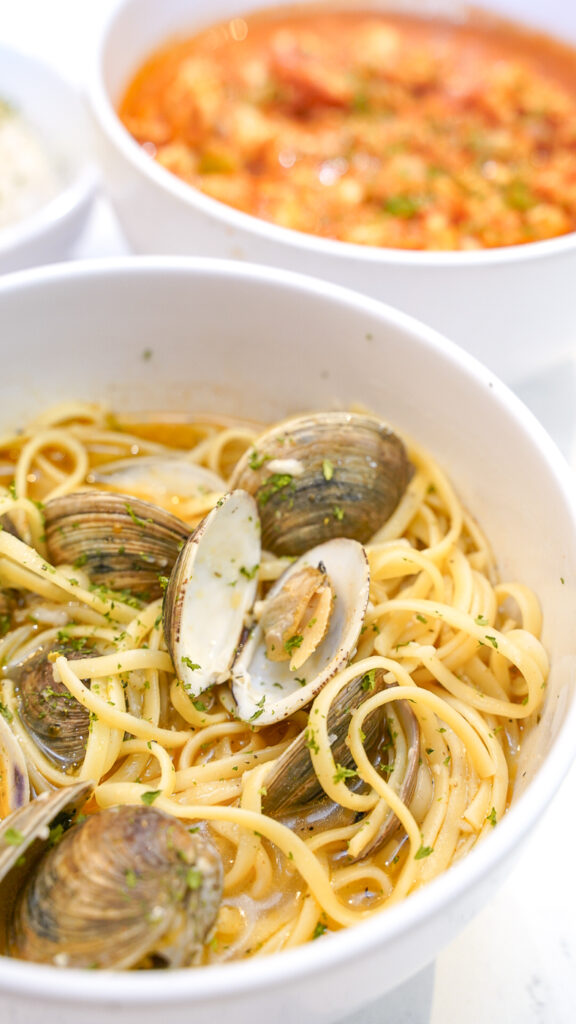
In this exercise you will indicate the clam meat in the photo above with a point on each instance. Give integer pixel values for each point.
(277, 652)
(307, 628)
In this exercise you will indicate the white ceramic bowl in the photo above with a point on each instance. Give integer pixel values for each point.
(264, 343)
(57, 115)
(513, 307)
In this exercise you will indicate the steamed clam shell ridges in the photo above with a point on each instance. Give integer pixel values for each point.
(25, 835)
(122, 543)
(293, 793)
(321, 476)
(55, 720)
(129, 886)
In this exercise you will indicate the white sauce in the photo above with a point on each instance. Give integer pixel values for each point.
(28, 177)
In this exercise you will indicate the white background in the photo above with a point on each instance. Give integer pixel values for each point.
(516, 963)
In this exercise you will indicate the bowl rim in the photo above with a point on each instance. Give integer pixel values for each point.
(134, 989)
(231, 218)
(77, 189)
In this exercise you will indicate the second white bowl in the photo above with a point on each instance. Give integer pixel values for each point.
(55, 112)
(513, 308)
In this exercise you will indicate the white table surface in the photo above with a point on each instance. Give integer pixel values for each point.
(516, 962)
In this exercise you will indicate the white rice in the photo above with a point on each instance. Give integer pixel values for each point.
(28, 176)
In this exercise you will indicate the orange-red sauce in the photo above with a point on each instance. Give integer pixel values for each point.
(374, 128)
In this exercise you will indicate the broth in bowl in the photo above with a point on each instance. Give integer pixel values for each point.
(274, 667)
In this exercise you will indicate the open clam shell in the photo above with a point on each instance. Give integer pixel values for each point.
(211, 591)
(267, 691)
(158, 478)
(321, 476)
(122, 542)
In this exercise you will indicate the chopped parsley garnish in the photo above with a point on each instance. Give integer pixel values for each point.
(424, 851)
(136, 518)
(131, 877)
(311, 741)
(368, 680)
(150, 796)
(13, 837)
(293, 643)
(492, 817)
(342, 773)
(256, 461)
(249, 573)
(192, 665)
(193, 878)
(260, 707)
(275, 483)
(518, 196)
(405, 207)
(5, 712)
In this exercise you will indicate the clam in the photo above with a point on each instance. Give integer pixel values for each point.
(293, 793)
(322, 476)
(307, 628)
(129, 886)
(158, 478)
(125, 887)
(55, 720)
(211, 590)
(7, 523)
(280, 651)
(24, 836)
(123, 543)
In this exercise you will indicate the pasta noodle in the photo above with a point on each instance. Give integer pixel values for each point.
(461, 648)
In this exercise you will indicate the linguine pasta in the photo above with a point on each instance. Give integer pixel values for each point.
(461, 647)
